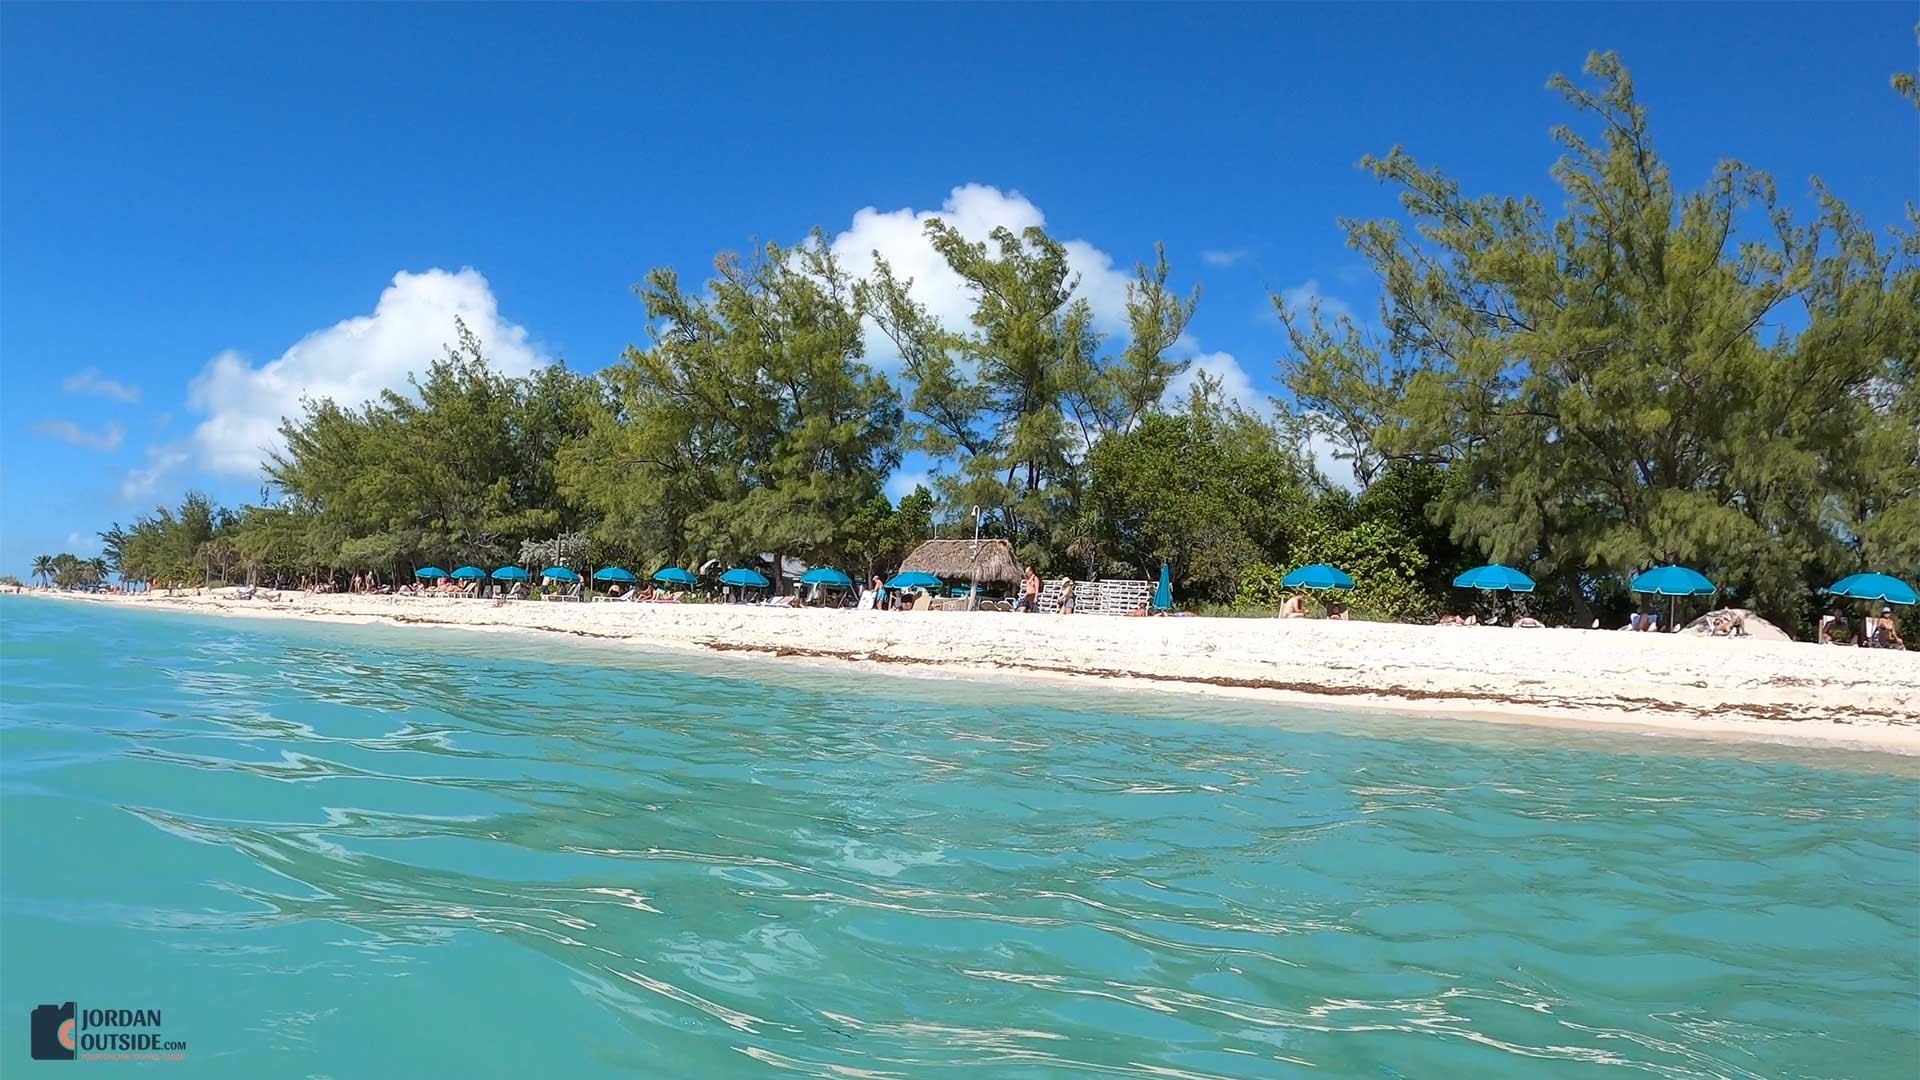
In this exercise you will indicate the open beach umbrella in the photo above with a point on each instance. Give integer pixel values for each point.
(1163, 596)
(826, 575)
(430, 572)
(469, 573)
(745, 578)
(913, 579)
(674, 575)
(1317, 576)
(1672, 582)
(1881, 587)
(1494, 578)
(559, 573)
(613, 573)
(510, 573)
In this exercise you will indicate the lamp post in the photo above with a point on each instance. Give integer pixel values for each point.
(973, 585)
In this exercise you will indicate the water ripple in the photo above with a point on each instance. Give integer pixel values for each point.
(450, 853)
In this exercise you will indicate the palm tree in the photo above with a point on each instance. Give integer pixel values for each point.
(98, 565)
(43, 569)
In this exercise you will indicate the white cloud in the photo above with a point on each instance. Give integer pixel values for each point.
(90, 382)
(902, 483)
(350, 362)
(1236, 386)
(1224, 257)
(1338, 471)
(975, 210)
(1301, 296)
(85, 545)
(162, 461)
(108, 437)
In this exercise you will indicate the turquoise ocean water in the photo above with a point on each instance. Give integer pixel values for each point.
(360, 852)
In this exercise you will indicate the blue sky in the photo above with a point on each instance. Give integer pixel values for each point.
(205, 210)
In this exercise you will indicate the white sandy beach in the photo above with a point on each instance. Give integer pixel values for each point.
(1680, 684)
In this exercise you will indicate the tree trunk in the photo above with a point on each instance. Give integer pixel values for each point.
(1582, 611)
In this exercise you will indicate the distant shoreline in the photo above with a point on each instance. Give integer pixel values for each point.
(1686, 685)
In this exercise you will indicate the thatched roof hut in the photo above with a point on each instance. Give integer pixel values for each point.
(957, 561)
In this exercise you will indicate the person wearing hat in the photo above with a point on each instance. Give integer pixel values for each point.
(1887, 632)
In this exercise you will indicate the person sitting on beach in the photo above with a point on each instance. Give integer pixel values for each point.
(614, 591)
(1341, 614)
(1295, 607)
(1529, 622)
(1066, 597)
(1831, 624)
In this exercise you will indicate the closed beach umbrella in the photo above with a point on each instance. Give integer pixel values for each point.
(469, 573)
(613, 573)
(430, 572)
(510, 573)
(1163, 596)
(559, 573)
(1317, 576)
(1881, 587)
(674, 575)
(1672, 582)
(826, 575)
(1494, 578)
(744, 578)
(913, 579)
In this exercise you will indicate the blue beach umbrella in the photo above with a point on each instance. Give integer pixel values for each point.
(1494, 578)
(1163, 596)
(1881, 587)
(674, 575)
(1672, 581)
(1317, 576)
(913, 579)
(469, 573)
(430, 572)
(559, 573)
(510, 573)
(613, 573)
(744, 578)
(825, 575)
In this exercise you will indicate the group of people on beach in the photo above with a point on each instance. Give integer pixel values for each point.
(1875, 633)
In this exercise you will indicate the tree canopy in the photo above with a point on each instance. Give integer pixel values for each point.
(1637, 372)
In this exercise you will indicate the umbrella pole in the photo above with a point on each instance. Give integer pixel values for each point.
(1673, 603)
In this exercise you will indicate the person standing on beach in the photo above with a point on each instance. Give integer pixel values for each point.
(1029, 593)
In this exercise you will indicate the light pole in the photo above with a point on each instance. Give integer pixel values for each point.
(973, 586)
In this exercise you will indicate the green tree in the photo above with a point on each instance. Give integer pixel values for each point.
(1613, 388)
(43, 568)
(750, 425)
(1210, 491)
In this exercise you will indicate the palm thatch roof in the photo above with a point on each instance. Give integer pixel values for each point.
(956, 560)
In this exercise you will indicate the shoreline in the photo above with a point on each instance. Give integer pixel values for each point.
(1680, 685)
